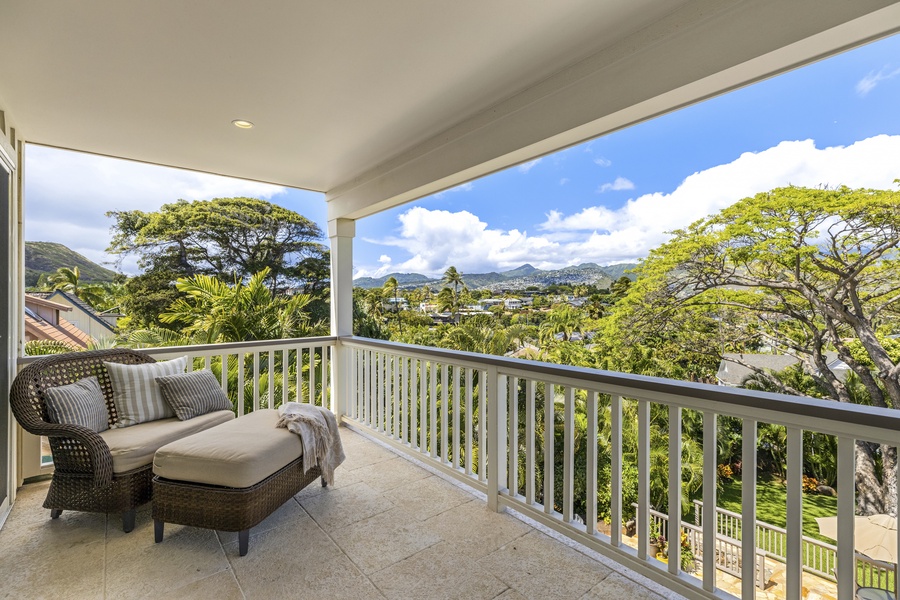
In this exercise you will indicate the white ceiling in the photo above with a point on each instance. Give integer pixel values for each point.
(334, 87)
(379, 101)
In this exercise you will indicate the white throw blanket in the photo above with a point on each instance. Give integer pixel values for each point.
(318, 430)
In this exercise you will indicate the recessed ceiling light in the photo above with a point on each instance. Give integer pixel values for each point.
(242, 124)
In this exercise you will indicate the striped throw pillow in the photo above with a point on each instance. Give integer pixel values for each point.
(80, 403)
(193, 394)
(135, 392)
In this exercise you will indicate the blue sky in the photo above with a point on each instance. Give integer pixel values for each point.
(609, 200)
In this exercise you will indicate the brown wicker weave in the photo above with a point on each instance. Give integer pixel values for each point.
(83, 478)
(224, 508)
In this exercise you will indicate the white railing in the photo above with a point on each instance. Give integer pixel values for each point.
(508, 427)
(819, 558)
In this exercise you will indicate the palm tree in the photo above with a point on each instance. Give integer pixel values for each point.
(454, 278)
(564, 319)
(391, 287)
(69, 280)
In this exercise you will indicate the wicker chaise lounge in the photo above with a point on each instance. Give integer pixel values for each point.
(90, 476)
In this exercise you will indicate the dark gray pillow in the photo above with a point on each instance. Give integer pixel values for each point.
(80, 403)
(193, 394)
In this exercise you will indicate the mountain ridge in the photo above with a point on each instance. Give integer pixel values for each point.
(519, 278)
(47, 257)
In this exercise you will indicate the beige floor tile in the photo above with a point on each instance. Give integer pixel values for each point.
(511, 594)
(438, 571)
(52, 570)
(340, 507)
(616, 586)
(185, 555)
(476, 528)
(383, 540)
(538, 566)
(284, 516)
(363, 455)
(428, 497)
(221, 586)
(390, 474)
(342, 478)
(301, 562)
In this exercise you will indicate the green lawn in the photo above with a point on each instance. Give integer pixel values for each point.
(771, 503)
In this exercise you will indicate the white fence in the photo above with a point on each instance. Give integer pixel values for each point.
(508, 427)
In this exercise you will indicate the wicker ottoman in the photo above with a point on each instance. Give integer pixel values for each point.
(229, 477)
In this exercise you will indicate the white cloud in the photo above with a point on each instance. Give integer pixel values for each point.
(641, 223)
(68, 193)
(564, 181)
(870, 81)
(436, 239)
(618, 185)
(603, 162)
(525, 167)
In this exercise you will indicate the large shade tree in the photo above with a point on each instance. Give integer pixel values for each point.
(226, 238)
(802, 270)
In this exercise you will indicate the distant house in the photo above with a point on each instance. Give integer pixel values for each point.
(512, 303)
(396, 304)
(98, 325)
(732, 373)
(43, 322)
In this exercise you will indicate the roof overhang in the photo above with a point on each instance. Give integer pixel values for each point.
(379, 103)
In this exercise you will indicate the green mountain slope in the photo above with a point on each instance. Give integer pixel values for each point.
(47, 257)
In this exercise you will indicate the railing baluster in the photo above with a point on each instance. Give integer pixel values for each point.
(298, 362)
(469, 434)
(674, 533)
(482, 424)
(568, 452)
(846, 563)
(457, 461)
(710, 476)
(256, 381)
(223, 375)
(385, 393)
(270, 370)
(643, 511)
(395, 397)
(615, 452)
(312, 375)
(414, 399)
(432, 409)
(326, 381)
(529, 441)
(241, 359)
(285, 376)
(512, 468)
(794, 526)
(590, 488)
(404, 409)
(423, 406)
(748, 509)
(548, 448)
(207, 362)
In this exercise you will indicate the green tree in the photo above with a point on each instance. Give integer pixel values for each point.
(69, 280)
(391, 289)
(224, 237)
(212, 312)
(564, 319)
(452, 277)
(804, 269)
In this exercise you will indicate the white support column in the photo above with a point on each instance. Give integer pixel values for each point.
(340, 234)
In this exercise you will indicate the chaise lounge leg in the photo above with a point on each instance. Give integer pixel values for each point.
(55, 512)
(324, 483)
(128, 520)
(243, 541)
(158, 530)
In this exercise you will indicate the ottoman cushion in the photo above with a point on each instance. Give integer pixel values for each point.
(133, 447)
(236, 454)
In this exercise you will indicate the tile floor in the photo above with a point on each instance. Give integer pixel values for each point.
(388, 528)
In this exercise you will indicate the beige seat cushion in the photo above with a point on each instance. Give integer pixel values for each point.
(238, 454)
(134, 446)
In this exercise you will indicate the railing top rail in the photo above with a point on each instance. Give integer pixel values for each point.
(231, 347)
(801, 406)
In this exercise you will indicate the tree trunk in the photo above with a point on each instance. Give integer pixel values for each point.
(869, 496)
(889, 479)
